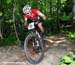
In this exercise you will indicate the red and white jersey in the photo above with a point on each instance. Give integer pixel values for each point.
(33, 16)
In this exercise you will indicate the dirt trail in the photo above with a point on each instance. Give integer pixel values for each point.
(56, 47)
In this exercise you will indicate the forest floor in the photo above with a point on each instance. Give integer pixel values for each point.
(56, 47)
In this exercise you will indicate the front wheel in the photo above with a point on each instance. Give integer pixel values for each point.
(33, 48)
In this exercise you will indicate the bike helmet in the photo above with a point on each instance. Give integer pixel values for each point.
(26, 9)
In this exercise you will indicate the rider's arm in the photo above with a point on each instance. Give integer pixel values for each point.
(42, 15)
(25, 23)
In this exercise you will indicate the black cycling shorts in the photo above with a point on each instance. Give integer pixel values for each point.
(37, 22)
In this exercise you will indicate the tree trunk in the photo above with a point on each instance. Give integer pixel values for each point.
(0, 31)
(51, 14)
(73, 11)
(58, 14)
(51, 11)
(14, 11)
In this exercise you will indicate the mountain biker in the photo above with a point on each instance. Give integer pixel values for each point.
(33, 14)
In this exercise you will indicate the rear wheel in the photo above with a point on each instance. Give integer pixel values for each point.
(33, 48)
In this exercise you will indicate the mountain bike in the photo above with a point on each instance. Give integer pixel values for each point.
(33, 44)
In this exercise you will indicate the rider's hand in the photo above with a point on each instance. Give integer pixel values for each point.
(44, 17)
(25, 24)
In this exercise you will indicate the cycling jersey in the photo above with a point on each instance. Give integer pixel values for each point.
(33, 16)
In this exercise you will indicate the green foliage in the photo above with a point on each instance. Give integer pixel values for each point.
(73, 63)
(1, 13)
(68, 59)
(50, 25)
(11, 40)
(62, 1)
(66, 17)
(66, 8)
(62, 63)
(71, 35)
(8, 1)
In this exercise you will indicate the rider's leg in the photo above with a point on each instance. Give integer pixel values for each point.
(42, 32)
(41, 27)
